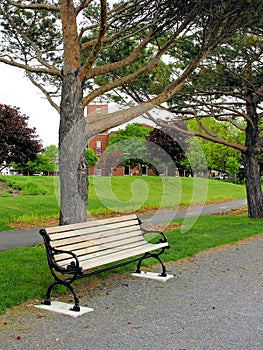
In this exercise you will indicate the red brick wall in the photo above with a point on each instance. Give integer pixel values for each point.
(97, 108)
(103, 139)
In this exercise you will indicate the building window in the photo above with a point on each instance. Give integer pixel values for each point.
(98, 148)
(126, 170)
(98, 171)
(98, 110)
(144, 170)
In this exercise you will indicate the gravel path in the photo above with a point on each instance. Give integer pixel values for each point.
(214, 302)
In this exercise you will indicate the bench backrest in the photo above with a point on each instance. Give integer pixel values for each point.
(98, 242)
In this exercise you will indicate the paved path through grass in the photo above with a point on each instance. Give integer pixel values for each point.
(29, 237)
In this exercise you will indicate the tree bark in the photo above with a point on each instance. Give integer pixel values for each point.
(72, 144)
(251, 164)
(253, 186)
(72, 138)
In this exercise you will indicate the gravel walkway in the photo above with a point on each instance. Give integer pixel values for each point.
(214, 302)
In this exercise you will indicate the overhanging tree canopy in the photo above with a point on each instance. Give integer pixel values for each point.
(227, 87)
(60, 43)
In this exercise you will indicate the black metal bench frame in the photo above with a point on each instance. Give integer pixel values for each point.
(75, 271)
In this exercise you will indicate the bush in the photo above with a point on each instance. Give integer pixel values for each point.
(32, 188)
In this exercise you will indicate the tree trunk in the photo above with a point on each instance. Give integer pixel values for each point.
(253, 186)
(251, 164)
(72, 144)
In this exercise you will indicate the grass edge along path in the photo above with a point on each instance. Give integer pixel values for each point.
(108, 195)
(24, 274)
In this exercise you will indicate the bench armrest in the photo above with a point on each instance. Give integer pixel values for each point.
(162, 239)
(72, 268)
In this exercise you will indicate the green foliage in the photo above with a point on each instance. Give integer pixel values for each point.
(19, 143)
(91, 158)
(218, 156)
(131, 131)
(226, 70)
(51, 152)
(46, 162)
(152, 81)
(31, 188)
(232, 166)
(42, 29)
(30, 184)
(131, 143)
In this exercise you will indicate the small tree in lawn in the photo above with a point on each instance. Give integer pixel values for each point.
(45, 162)
(91, 158)
(110, 159)
(131, 142)
(169, 145)
(19, 142)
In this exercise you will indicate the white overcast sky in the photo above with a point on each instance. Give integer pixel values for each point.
(18, 91)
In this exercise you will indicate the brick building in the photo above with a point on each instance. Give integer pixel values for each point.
(99, 144)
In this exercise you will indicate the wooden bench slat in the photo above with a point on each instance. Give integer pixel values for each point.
(118, 227)
(90, 251)
(56, 229)
(137, 246)
(91, 247)
(95, 240)
(121, 255)
(84, 257)
(113, 256)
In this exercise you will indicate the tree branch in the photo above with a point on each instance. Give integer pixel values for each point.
(83, 5)
(35, 48)
(201, 135)
(104, 69)
(44, 91)
(100, 123)
(35, 6)
(135, 54)
(26, 67)
(99, 42)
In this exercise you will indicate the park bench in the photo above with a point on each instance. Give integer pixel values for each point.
(84, 249)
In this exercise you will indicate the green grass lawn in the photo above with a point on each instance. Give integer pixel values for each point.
(38, 195)
(24, 273)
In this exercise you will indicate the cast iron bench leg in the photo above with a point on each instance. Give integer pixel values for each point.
(149, 255)
(47, 301)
